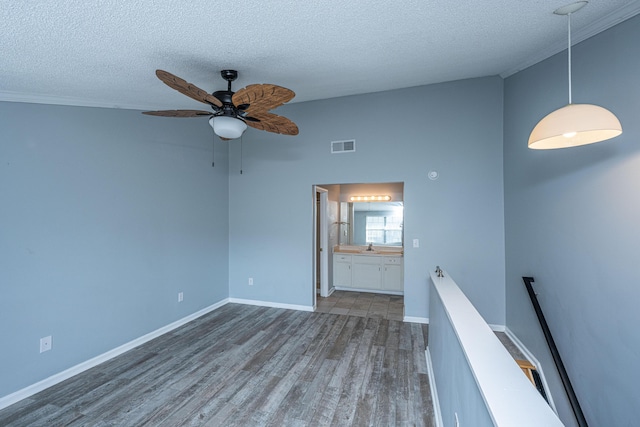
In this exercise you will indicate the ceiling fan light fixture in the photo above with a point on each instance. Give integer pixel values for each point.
(227, 127)
(574, 125)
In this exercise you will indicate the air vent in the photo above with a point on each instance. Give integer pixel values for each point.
(348, 146)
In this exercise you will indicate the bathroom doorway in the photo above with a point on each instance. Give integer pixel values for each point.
(352, 225)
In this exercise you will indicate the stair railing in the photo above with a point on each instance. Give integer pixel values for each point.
(566, 382)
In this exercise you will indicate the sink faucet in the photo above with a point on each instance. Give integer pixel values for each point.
(370, 248)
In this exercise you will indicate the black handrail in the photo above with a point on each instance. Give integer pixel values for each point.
(573, 399)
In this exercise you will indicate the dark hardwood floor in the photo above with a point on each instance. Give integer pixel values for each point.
(251, 366)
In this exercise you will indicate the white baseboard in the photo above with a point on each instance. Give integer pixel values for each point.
(437, 413)
(412, 319)
(271, 304)
(497, 328)
(371, 291)
(81, 367)
(531, 358)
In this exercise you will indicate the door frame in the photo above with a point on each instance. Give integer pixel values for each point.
(320, 242)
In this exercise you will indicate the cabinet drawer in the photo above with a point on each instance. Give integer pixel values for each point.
(366, 259)
(396, 260)
(342, 258)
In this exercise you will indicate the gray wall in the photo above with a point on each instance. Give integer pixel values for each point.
(105, 215)
(455, 128)
(573, 222)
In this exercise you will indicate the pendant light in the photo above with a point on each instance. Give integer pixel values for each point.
(574, 124)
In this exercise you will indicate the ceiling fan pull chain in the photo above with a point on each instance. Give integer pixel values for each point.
(240, 155)
(213, 152)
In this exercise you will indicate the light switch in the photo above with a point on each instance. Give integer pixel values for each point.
(416, 243)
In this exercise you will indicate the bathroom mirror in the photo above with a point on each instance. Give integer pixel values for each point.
(380, 223)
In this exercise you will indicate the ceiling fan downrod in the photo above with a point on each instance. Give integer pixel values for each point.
(229, 76)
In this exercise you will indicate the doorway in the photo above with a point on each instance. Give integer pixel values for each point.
(358, 217)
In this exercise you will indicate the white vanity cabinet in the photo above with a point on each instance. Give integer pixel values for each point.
(393, 274)
(375, 273)
(341, 270)
(366, 272)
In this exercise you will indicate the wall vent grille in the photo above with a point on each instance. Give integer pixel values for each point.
(348, 146)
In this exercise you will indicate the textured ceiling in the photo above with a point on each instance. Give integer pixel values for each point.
(105, 52)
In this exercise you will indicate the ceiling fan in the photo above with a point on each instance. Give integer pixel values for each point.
(233, 111)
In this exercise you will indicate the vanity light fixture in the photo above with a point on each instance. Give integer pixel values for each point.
(370, 198)
(574, 124)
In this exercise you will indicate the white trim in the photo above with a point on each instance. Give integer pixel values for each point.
(412, 319)
(371, 291)
(437, 413)
(271, 304)
(66, 100)
(531, 358)
(524, 350)
(497, 328)
(323, 218)
(88, 364)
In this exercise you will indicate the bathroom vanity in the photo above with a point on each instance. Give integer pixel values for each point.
(379, 270)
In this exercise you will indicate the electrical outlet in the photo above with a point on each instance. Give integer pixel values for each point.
(45, 344)
(250, 281)
(180, 296)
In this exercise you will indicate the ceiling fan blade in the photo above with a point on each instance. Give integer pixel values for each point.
(262, 97)
(186, 88)
(178, 113)
(273, 123)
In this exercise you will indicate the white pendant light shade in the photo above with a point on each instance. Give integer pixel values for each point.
(573, 125)
(227, 127)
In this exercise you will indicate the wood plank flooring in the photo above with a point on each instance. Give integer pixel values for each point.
(251, 366)
(363, 304)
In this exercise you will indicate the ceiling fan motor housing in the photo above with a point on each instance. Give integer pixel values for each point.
(226, 96)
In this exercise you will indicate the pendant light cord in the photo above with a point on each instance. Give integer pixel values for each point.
(569, 54)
